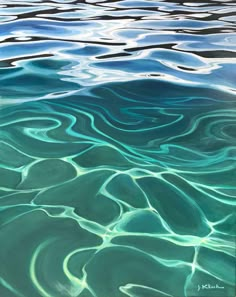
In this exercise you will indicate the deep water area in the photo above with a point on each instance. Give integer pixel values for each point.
(117, 148)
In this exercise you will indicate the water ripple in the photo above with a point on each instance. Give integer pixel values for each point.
(118, 149)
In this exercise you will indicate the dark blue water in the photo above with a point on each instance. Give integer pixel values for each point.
(117, 148)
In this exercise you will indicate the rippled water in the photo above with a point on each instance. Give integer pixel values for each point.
(118, 148)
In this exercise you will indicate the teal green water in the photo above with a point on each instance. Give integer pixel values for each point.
(117, 149)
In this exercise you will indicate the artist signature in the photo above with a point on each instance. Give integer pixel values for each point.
(209, 287)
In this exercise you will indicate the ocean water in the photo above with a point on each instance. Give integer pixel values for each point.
(117, 148)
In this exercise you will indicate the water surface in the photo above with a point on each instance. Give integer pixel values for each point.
(118, 148)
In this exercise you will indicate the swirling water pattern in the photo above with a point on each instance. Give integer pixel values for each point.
(118, 148)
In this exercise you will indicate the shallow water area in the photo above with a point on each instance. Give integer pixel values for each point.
(117, 148)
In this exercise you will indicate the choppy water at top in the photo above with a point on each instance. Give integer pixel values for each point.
(118, 148)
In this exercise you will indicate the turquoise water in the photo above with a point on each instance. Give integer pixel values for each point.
(118, 148)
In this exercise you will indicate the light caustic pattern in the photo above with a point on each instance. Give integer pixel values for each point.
(118, 149)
